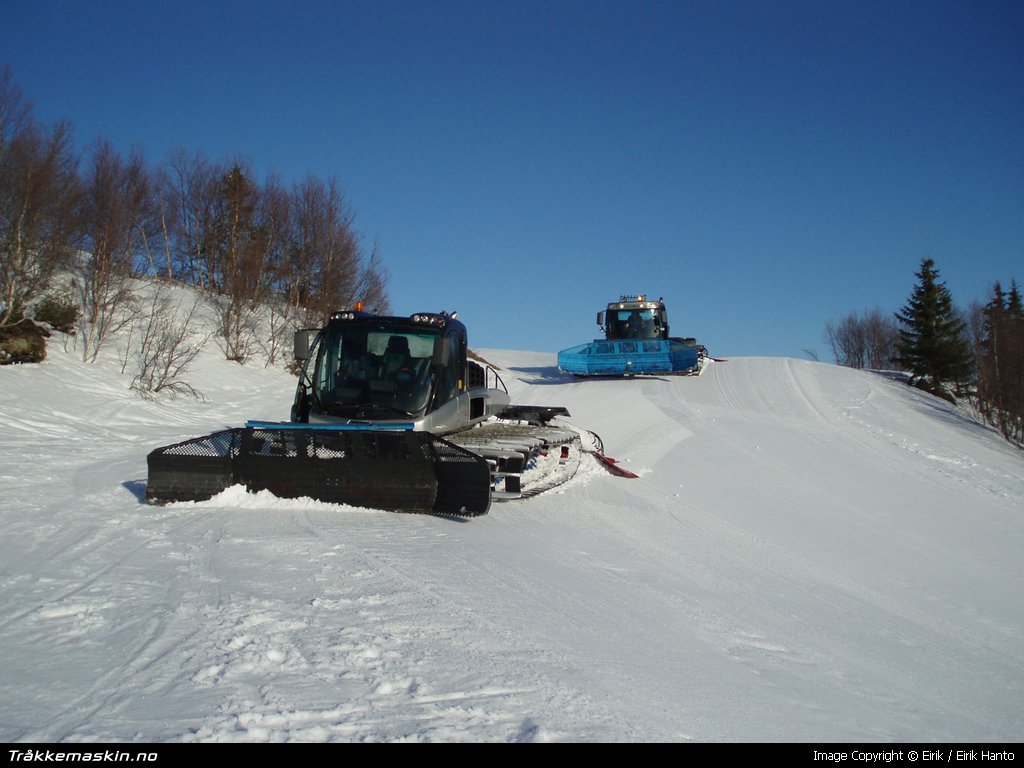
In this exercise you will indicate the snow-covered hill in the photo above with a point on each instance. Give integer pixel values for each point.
(811, 553)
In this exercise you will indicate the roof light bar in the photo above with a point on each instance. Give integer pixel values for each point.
(427, 318)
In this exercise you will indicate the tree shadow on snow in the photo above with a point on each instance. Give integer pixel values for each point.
(952, 414)
(891, 375)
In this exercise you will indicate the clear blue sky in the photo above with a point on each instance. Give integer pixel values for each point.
(765, 166)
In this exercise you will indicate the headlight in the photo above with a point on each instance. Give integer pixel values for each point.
(428, 319)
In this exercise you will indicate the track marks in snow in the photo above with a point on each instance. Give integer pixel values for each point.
(807, 534)
(73, 619)
(341, 636)
(767, 578)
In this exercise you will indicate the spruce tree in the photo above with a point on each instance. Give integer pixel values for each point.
(993, 323)
(933, 345)
(1014, 306)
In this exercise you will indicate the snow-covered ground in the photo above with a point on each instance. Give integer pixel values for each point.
(811, 553)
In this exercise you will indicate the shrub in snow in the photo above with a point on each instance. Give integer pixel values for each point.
(61, 314)
(22, 343)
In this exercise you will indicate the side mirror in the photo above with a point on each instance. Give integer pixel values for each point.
(301, 345)
(600, 319)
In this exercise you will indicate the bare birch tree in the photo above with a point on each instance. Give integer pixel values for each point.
(38, 192)
(189, 202)
(863, 341)
(169, 340)
(116, 212)
(328, 268)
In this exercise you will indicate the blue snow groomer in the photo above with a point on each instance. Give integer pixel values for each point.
(636, 342)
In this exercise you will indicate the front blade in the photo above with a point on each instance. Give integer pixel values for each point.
(401, 471)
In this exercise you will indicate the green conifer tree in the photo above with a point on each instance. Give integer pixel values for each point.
(933, 345)
(994, 318)
(1001, 363)
(1014, 306)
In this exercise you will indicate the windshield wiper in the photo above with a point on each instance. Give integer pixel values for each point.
(363, 411)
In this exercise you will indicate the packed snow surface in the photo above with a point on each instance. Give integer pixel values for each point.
(810, 553)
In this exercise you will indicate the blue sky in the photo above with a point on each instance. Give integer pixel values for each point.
(764, 166)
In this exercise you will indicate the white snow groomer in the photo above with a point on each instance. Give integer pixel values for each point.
(636, 342)
(389, 413)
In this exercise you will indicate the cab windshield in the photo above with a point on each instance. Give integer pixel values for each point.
(632, 324)
(374, 372)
